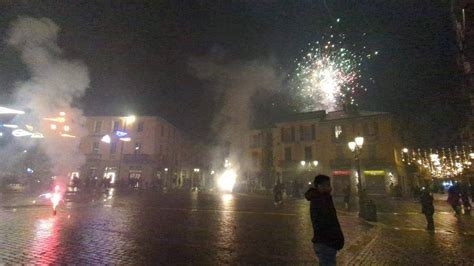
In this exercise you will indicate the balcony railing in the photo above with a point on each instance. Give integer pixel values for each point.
(93, 157)
(137, 158)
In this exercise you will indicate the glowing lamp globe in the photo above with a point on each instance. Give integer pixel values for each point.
(130, 119)
(359, 141)
(352, 145)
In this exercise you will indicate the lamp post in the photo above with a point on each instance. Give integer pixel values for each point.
(356, 148)
(309, 164)
(196, 173)
(129, 119)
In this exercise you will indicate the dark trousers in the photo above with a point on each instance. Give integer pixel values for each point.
(326, 254)
(430, 221)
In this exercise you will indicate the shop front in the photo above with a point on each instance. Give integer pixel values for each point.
(340, 180)
(375, 181)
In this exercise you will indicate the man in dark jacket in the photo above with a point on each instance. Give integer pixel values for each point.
(328, 237)
(427, 208)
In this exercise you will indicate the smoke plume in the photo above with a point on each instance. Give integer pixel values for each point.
(235, 84)
(54, 84)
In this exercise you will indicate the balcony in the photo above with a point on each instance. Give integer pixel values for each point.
(93, 157)
(138, 159)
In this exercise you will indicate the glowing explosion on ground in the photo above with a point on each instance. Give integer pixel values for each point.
(328, 75)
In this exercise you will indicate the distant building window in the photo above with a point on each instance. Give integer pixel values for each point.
(287, 134)
(308, 153)
(160, 150)
(138, 147)
(372, 150)
(116, 125)
(365, 129)
(113, 147)
(255, 159)
(95, 147)
(307, 132)
(340, 152)
(140, 127)
(256, 141)
(337, 131)
(313, 132)
(376, 128)
(98, 127)
(288, 154)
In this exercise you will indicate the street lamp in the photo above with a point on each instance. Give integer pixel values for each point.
(313, 163)
(356, 147)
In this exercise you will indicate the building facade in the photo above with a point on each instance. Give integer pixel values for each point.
(133, 151)
(306, 144)
(463, 18)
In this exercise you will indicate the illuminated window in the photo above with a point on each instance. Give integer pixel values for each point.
(95, 147)
(98, 126)
(337, 131)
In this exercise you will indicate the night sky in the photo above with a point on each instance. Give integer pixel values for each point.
(138, 53)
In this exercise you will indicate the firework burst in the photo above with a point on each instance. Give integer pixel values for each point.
(328, 74)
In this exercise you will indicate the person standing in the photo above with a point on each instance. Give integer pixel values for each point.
(453, 198)
(427, 208)
(327, 234)
(278, 193)
(347, 196)
(465, 198)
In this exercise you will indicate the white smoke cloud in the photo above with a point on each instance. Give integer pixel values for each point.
(235, 84)
(54, 84)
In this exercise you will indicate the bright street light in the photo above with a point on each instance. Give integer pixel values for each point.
(130, 119)
(303, 163)
(352, 145)
(359, 141)
(315, 163)
(405, 150)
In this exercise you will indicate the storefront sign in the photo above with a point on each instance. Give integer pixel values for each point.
(121, 133)
(374, 172)
(342, 172)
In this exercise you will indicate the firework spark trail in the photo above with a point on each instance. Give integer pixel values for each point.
(328, 75)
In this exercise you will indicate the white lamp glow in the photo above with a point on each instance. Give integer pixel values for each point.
(352, 145)
(359, 141)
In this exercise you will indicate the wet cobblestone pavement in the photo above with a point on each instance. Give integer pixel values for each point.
(145, 227)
